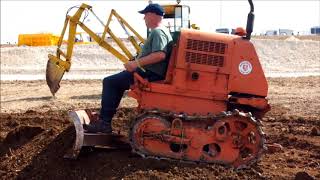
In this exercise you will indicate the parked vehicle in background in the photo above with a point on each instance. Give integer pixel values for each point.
(41, 39)
(285, 32)
(83, 38)
(223, 30)
(271, 33)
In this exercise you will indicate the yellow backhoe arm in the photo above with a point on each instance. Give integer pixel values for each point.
(56, 66)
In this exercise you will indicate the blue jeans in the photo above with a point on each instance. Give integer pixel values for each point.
(113, 88)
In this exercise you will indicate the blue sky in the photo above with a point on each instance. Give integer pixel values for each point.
(22, 17)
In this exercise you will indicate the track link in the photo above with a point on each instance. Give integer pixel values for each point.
(162, 129)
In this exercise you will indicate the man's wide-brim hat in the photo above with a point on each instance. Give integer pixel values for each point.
(153, 8)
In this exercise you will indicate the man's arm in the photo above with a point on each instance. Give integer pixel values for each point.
(159, 42)
(149, 59)
(152, 58)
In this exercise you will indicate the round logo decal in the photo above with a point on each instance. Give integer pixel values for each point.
(245, 67)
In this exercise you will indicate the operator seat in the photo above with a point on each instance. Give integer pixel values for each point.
(171, 56)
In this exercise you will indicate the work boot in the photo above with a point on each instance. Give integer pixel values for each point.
(99, 126)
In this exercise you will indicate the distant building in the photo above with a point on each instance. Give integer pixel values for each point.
(283, 32)
(315, 30)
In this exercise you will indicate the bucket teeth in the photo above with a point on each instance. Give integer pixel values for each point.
(54, 74)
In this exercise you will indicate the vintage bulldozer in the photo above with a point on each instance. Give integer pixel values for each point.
(208, 108)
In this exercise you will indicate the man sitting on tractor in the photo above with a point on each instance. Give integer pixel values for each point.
(151, 63)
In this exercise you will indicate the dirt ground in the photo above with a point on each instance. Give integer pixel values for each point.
(36, 132)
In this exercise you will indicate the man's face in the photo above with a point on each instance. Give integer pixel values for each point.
(148, 18)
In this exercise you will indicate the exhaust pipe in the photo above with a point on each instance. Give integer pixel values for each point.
(250, 21)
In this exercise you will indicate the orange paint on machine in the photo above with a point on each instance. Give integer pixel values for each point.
(208, 74)
(207, 108)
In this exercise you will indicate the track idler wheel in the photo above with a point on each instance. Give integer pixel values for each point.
(144, 135)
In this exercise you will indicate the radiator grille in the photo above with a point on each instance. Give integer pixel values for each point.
(206, 46)
(199, 58)
(202, 56)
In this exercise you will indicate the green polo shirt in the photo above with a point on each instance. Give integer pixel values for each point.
(158, 40)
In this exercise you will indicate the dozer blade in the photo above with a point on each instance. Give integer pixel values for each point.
(54, 73)
(109, 141)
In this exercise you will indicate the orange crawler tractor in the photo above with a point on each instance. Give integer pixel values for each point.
(206, 110)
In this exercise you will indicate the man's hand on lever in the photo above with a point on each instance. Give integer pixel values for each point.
(131, 66)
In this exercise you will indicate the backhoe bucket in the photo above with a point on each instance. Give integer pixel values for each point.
(109, 141)
(54, 73)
